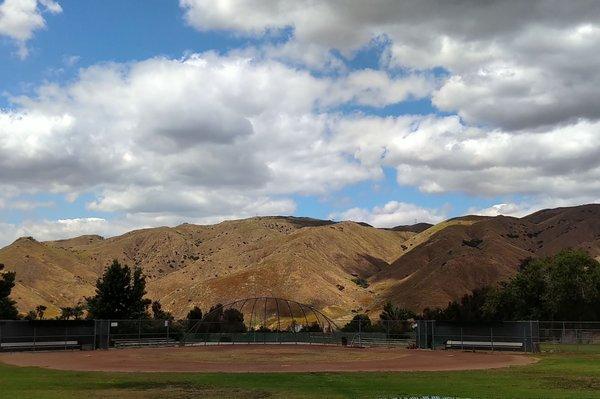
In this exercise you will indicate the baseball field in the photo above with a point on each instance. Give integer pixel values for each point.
(297, 372)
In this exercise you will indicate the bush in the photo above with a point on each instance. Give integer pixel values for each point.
(473, 243)
(361, 282)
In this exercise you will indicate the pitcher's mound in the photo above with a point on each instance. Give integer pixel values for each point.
(265, 358)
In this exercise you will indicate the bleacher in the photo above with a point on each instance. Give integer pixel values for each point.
(143, 342)
(484, 345)
(39, 345)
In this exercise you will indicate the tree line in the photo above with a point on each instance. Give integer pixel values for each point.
(561, 287)
(565, 286)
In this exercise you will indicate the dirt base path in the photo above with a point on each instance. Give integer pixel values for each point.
(265, 358)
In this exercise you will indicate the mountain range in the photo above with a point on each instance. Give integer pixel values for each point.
(341, 268)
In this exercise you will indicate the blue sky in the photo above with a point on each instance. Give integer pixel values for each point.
(124, 114)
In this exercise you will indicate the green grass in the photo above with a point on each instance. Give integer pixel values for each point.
(570, 348)
(555, 376)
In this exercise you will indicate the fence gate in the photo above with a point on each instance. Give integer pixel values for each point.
(102, 332)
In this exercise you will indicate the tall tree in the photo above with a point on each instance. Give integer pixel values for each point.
(194, 314)
(8, 308)
(360, 322)
(562, 287)
(40, 310)
(158, 313)
(395, 313)
(75, 312)
(119, 294)
(233, 321)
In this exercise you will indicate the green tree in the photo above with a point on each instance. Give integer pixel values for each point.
(312, 327)
(8, 308)
(393, 313)
(360, 322)
(233, 321)
(74, 312)
(31, 315)
(563, 287)
(194, 314)
(119, 294)
(40, 310)
(158, 313)
(211, 322)
(470, 308)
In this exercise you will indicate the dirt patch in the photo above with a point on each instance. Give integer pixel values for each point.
(266, 358)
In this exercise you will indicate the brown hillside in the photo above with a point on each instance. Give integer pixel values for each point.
(307, 260)
(453, 258)
(300, 258)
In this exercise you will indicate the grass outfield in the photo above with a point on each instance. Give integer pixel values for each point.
(569, 348)
(555, 376)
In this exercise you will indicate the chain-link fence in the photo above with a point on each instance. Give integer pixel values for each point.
(508, 335)
(526, 336)
(569, 336)
(18, 335)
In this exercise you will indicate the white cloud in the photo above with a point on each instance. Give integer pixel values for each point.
(506, 209)
(58, 229)
(527, 207)
(65, 228)
(203, 136)
(236, 208)
(19, 19)
(441, 154)
(392, 214)
(511, 64)
(212, 136)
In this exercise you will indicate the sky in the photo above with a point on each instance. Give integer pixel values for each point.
(125, 114)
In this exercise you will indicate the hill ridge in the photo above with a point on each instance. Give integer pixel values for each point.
(310, 260)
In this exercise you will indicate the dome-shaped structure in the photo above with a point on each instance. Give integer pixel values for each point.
(264, 314)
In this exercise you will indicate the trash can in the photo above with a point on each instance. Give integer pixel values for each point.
(344, 341)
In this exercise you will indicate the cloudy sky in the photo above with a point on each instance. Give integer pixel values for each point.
(124, 114)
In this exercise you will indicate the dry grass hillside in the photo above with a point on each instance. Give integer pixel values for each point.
(307, 260)
(455, 257)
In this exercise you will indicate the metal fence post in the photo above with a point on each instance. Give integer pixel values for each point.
(359, 333)
(95, 332)
(531, 335)
(462, 340)
(34, 337)
(387, 333)
(433, 334)
(140, 332)
(492, 337)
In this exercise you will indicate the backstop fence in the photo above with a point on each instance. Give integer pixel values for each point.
(526, 336)
(509, 335)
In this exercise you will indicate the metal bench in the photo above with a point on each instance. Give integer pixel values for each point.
(486, 345)
(129, 343)
(388, 342)
(14, 346)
